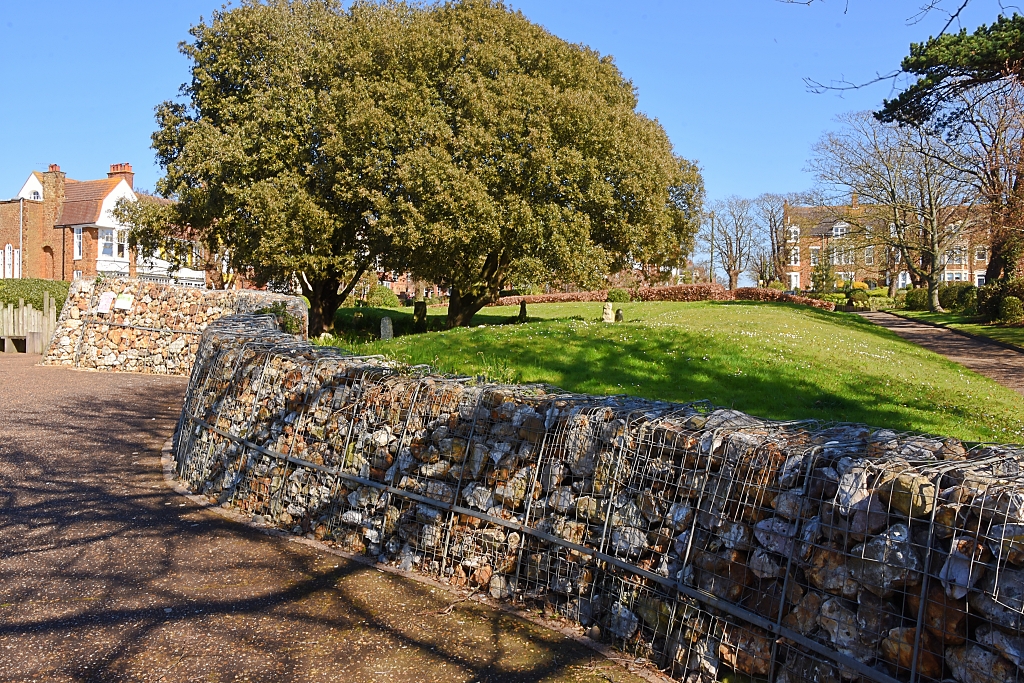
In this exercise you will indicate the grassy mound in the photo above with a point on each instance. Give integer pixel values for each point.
(773, 360)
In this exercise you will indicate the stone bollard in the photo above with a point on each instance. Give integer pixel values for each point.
(522, 311)
(419, 316)
(387, 330)
(607, 315)
(618, 315)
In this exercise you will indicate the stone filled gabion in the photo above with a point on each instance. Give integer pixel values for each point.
(159, 334)
(704, 540)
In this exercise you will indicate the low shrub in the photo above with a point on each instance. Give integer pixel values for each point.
(775, 284)
(618, 296)
(917, 299)
(879, 292)
(860, 286)
(31, 291)
(858, 296)
(1011, 309)
(764, 294)
(698, 292)
(990, 297)
(950, 293)
(380, 296)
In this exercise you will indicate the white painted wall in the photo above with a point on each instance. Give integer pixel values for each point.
(31, 185)
(106, 219)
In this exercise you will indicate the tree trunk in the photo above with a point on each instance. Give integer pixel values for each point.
(734, 278)
(323, 303)
(462, 308)
(933, 296)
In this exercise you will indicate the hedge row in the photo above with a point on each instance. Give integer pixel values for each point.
(31, 291)
(698, 292)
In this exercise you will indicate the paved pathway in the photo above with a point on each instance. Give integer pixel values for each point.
(1003, 365)
(106, 574)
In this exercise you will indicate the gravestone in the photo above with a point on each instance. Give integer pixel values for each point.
(387, 330)
(607, 315)
(618, 315)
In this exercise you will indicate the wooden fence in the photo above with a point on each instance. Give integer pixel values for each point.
(25, 323)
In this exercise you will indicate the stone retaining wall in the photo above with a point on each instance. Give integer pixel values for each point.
(702, 539)
(157, 331)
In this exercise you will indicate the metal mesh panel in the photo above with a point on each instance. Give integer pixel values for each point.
(704, 540)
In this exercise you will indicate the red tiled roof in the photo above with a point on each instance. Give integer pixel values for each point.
(83, 200)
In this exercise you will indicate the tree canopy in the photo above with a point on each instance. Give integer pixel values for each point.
(952, 63)
(458, 141)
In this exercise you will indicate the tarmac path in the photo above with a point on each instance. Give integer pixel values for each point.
(106, 574)
(998, 363)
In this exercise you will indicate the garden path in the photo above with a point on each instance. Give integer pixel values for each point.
(107, 574)
(996, 362)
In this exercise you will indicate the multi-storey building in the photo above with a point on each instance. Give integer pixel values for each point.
(58, 228)
(816, 232)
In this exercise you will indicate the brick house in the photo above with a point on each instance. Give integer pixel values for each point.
(816, 232)
(58, 228)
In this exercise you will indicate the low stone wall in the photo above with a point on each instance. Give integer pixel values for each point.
(702, 539)
(130, 325)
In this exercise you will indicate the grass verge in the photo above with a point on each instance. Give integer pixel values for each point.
(1008, 334)
(778, 361)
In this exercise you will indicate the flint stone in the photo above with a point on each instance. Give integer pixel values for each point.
(622, 623)
(562, 499)
(963, 566)
(974, 664)
(499, 587)
(1006, 612)
(792, 505)
(746, 649)
(914, 495)
(886, 562)
(1009, 646)
(843, 630)
(628, 541)
(1007, 541)
(875, 617)
(680, 516)
(763, 565)
(553, 474)
(869, 517)
(801, 668)
(735, 535)
(828, 572)
(898, 649)
(853, 484)
(776, 535)
(725, 575)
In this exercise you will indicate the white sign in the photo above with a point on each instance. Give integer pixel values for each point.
(106, 299)
(124, 302)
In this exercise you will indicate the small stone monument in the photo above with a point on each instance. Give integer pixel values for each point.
(387, 330)
(522, 311)
(618, 315)
(607, 315)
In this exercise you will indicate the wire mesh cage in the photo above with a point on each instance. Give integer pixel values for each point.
(708, 542)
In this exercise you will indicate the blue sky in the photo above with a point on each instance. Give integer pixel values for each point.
(725, 77)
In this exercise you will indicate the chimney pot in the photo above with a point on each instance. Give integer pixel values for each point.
(54, 168)
(122, 171)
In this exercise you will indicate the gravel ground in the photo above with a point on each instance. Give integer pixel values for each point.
(106, 574)
(998, 363)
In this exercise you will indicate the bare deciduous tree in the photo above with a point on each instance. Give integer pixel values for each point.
(769, 211)
(731, 236)
(912, 199)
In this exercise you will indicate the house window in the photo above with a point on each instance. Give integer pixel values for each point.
(815, 255)
(794, 234)
(78, 275)
(839, 230)
(869, 256)
(107, 242)
(955, 256)
(979, 280)
(35, 195)
(122, 244)
(794, 281)
(16, 263)
(794, 256)
(5, 262)
(842, 257)
(78, 244)
(981, 254)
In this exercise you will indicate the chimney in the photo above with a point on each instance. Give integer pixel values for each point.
(122, 171)
(853, 200)
(54, 168)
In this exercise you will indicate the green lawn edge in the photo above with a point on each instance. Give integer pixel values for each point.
(1012, 335)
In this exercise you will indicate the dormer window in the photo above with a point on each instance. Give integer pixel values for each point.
(36, 195)
(839, 230)
(794, 233)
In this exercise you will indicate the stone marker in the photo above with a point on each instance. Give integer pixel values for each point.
(618, 316)
(607, 315)
(522, 311)
(387, 330)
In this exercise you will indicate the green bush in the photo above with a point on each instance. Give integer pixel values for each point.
(618, 296)
(775, 284)
(31, 290)
(1011, 309)
(380, 296)
(879, 292)
(950, 293)
(917, 299)
(858, 296)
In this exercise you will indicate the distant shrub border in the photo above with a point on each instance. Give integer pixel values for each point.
(699, 292)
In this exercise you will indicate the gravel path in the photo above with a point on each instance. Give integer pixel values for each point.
(106, 574)
(1003, 365)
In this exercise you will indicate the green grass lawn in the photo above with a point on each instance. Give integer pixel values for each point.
(1013, 334)
(773, 360)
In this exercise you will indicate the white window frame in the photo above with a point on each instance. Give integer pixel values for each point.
(794, 280)
(979, 280)
(5, 259)
(77, 275)
(869, 256)
(17, 264)
(980, 254)
(121, 245)
(794, 256)
(815, 256)
(36, 195)
(839, 230)
(106, 241)
(793, 234)
(77, 244)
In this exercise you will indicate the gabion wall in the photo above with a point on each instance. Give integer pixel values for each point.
(704, 540)
(159, 334)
